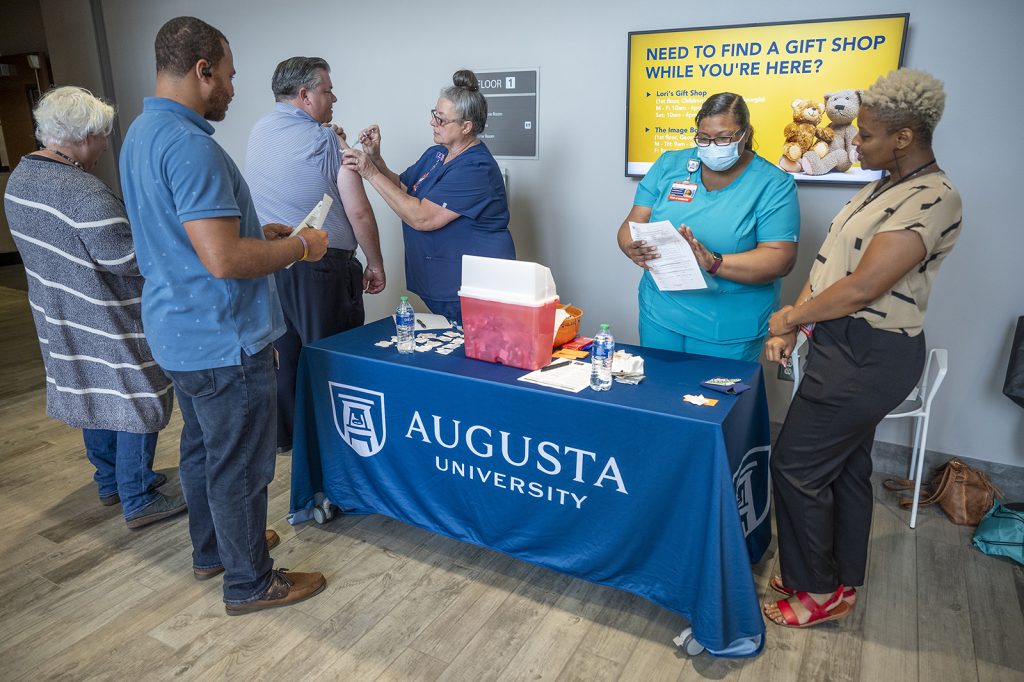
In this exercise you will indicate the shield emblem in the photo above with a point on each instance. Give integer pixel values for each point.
(359, 418)
(753, 496)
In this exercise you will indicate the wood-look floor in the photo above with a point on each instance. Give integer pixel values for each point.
(82, 597)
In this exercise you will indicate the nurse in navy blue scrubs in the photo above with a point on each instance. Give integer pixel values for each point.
(452, 201)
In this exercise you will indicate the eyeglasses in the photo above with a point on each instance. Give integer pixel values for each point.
(721, 140)
(440, 121)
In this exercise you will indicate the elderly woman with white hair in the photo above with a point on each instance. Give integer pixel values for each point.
(452, 201)
(866, 299)
(84, 288)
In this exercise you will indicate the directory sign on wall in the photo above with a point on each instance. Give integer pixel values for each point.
(511, 94)
(804, 73)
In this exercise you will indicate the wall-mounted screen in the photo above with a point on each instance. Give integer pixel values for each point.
(799, 79)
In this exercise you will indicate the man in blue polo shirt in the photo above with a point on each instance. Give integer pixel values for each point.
(210, 311)
(292, 160)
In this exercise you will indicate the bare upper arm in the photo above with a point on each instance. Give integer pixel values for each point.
(639, 214)
(889, 257)
(215, 241)
(352, 192)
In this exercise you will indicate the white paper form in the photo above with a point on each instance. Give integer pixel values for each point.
(314, 220)
(676, 267)
(428, 321)
(572, 376)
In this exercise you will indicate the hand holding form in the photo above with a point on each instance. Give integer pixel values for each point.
(274, 231)
(640, 253)
(316, 241)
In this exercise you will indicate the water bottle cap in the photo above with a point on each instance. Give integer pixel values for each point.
(404, 298)
(604, 326)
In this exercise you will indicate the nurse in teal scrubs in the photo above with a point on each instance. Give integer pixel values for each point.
(739, 214)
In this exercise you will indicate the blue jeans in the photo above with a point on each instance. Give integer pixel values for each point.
(124, 465)
(227, 462)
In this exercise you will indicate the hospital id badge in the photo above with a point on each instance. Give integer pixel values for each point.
(682, 191)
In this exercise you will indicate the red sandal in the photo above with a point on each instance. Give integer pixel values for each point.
(833, 608)
(849, 594)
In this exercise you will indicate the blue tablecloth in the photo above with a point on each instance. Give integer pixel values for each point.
(631, 487)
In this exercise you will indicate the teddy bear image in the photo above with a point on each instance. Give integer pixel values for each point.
(804, 135)
(841, 108)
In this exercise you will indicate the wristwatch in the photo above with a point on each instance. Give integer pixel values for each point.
(716, 264)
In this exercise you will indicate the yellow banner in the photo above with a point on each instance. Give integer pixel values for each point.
(671, 73)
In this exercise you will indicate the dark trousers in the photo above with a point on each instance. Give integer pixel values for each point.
(821, 465)
(450, 309)
(319, 300)
(227, 462)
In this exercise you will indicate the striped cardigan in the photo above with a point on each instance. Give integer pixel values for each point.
(85, 292)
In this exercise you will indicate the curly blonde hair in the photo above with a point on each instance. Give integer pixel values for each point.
(70, 114)
(907, 98)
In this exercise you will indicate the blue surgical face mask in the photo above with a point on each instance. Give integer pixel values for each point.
(720, 158)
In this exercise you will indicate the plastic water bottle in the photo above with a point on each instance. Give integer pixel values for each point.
(405, 323)
(601, 359)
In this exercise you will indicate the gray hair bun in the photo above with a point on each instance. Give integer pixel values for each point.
(464, 78)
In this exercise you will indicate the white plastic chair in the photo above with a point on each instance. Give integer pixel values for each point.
(918, 406)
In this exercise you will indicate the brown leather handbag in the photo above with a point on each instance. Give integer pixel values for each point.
(964, 494)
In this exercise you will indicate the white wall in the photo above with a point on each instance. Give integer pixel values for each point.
(390, 58)
(77, 62)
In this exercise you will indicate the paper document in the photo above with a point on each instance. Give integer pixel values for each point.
(560, 316)
(426, 321)
(676, 267)
(573, 377)
(314, 219)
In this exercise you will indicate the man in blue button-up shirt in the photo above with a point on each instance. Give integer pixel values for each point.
(293, 159)
(210, 310)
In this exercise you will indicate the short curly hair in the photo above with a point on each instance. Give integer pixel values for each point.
(183, 41)
(69, 115)
(907, 98)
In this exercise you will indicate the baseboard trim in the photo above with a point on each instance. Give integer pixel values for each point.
(891, 458)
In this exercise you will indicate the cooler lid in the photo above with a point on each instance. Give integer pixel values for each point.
(507, 281)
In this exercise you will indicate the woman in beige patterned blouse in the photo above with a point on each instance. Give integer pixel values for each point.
(865, 301)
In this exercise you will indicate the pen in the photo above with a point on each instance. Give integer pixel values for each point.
(421, 323)
(556, 365)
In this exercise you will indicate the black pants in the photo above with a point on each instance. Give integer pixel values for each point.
(821, 465)
(319, 300)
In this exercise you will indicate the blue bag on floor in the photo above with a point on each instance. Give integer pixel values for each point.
(1001, 532)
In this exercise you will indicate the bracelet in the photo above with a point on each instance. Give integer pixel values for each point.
(305, 246)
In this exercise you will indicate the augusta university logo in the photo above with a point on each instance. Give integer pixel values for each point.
(359, 418)
(753, 494)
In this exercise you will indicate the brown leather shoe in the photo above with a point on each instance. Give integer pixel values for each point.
(286, 588)
(273, 540)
